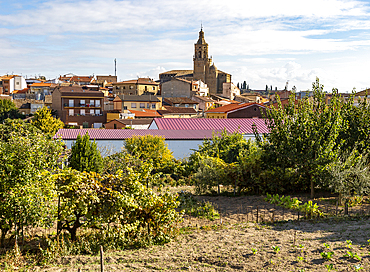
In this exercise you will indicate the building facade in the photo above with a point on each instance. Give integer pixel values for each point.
(138, 86)
(79, 106)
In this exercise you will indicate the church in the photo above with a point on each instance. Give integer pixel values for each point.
(203, 69)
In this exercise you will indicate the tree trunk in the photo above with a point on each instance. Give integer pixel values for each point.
(3, 234)
(312, 188)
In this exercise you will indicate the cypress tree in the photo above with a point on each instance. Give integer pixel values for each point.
(85, 155)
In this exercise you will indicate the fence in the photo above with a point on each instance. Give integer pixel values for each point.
(271, 213)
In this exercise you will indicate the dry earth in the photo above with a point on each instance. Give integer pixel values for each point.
(228, 246)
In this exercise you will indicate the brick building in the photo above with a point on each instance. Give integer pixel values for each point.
(79, 106)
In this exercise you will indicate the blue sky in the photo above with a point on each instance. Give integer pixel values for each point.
(265, 42)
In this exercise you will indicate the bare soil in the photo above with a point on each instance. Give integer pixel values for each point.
(227, 244)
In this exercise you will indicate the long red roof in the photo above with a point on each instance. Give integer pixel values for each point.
(242, 125)
(122, 134)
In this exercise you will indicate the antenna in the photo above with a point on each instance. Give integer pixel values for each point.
(115, 67)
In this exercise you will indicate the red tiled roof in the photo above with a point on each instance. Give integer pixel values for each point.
(243, 125)
(81, 79)
(231, 107)
(25, 90)
(41, 84)
(121, 134)
(145, 113)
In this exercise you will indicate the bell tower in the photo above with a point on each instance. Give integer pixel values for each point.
(200, 59)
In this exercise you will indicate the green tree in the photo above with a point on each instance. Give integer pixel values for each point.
(8, 110)
(150, 148)
(356, 130)
(303, 137)
(226, 146)
(134, 212)
(26, 199)
(44, 121)
(85, 155)
(350, 175)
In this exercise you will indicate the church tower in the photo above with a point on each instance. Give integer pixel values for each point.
(200, 59)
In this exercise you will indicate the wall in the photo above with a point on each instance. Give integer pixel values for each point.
(176, 88)
(180, 148)
(216, 115)
(249, 112)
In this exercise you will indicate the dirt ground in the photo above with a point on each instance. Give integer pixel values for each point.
(228, 244)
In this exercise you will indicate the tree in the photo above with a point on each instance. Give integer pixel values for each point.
(356, 132)
(226, 146)
(8, 110)
(150, 148)
(303, 137)
(85, 155)
(350, 175)
(44, 121)
(26, 199)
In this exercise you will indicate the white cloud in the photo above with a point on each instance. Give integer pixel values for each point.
(266, 41)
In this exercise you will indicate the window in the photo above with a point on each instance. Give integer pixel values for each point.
(133, 105)
(97, 103)
(153, 106)
(97, 111)
(131, 87)
(176, 105)
(153, 88)
(82, 103)
(82, 112)
(142, 105)
(186, 105)
(148, 106)
(92, 103)
(71, 103)
(71, 112)
(92, 112)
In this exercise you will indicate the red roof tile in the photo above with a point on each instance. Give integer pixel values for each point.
(145, 113)
(121, 134)
(243, 125)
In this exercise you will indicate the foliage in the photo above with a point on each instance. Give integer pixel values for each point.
(309, 209)
(195, 208)
(85, 155)
(356, 119)
(327, 255)
(26, 198)
(243, 174)
(150, 148)
(9, 110)
(44, 121)
(350, 175)
(78, 196)
(211, 172)
(226, 146)
(303, 136)
(119, 205)
(352, 255)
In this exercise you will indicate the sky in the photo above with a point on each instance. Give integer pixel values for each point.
(265, 42)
